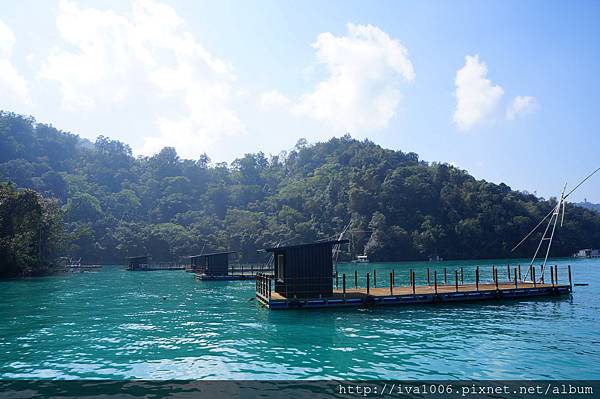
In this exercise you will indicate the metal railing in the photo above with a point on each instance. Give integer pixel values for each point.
(390, 282)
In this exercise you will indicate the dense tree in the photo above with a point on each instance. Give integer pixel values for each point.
(30, 232)
(398, 206)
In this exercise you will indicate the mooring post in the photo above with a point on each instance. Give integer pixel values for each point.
(556, 274)
(570, 282)
(410, 277)
(493, 271)
(394, 275)
(413, 282)
(374, 278)
(496, 278)
(456, 280)
(344, 284)
(391, 283)
(435, 281)
(337, 280)
(516, 284)
(519, 272)
(445, 277)
(462, 275)
(533, 275)
(269, 288)
(508, 272)
(355, 279)
(428, 281)
(552, 275)
(477, 278)
(368, 283)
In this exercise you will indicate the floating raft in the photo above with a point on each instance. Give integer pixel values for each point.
(155, 267)
(229, 277)
(413, 294)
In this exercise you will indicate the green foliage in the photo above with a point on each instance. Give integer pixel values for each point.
(30, 232)
(399, 207)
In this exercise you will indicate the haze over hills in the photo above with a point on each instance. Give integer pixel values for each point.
(589, 205)
(398, 207)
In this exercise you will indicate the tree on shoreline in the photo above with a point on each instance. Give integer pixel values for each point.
(30, 232)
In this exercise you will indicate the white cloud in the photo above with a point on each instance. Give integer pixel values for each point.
(149, 60)
(362, 88)
(521, 106)
(273, 99)
(13, 85)
(477, 99)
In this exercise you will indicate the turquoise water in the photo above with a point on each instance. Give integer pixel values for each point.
(115, 324)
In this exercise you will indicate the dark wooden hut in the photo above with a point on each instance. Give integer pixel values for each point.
(213, 264)
(305, 270)
(137, 262)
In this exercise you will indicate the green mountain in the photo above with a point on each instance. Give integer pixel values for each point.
(398, 207)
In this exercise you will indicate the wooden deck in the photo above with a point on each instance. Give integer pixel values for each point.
(422, 294)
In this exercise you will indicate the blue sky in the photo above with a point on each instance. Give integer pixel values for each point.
(506, 90)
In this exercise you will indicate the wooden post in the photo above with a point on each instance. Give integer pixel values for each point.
(445, 277)
(496, 278)
(516, 284)
(435, 280)
(533, 276)
(519, 272)
(570, 281)
(410, 276)
(394, 276)
(477, 278)
(413, 282)
(337, 280)
(374, 278)
(428, 281)
(493, 271)
(462, 275)
(552, 275)
(355, 279)
(344, 284)
(368, 283)
(542, 274)
(391, 283)
(508, 272)
(269, 288)
(556, 274)
(456, 280)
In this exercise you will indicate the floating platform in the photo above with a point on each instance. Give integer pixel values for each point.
(82, 268)
(150, 268)
(206, 277)
(405, 296)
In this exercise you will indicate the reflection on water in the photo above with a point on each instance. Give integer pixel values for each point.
(116, 324)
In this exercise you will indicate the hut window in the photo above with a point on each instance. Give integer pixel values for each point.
(280, 262)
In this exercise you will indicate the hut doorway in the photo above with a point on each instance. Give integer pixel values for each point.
(280, 266)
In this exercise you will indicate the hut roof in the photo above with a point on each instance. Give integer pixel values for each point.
(138, 257)
(212, 254)
(312, 244)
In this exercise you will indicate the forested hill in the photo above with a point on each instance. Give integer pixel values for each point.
(400, 208)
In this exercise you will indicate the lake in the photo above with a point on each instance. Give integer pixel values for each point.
(116, 324)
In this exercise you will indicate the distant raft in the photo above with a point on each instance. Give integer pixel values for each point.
(215, 267)
(145, 264)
